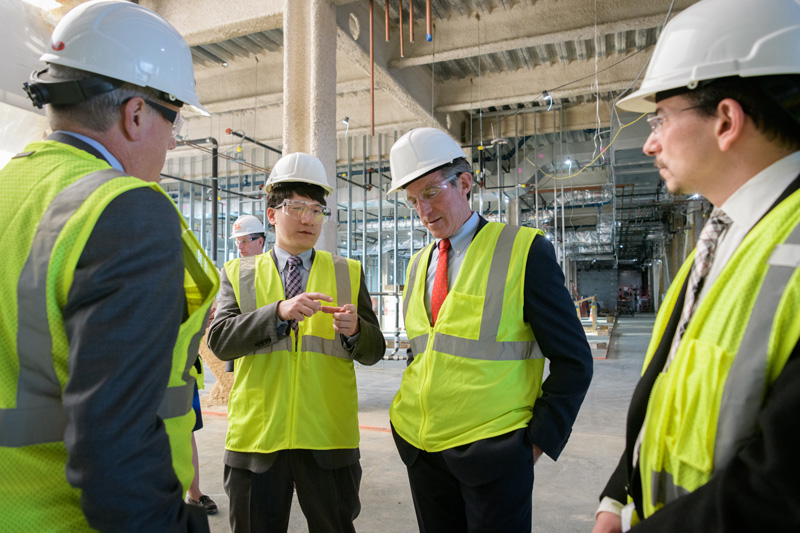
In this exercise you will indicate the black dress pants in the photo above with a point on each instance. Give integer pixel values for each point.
(482, 487)
(262, 502)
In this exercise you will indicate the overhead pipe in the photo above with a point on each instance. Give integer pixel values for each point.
(242, 136)
(411, 21)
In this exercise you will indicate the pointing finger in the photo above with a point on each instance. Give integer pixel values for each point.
(319, 296)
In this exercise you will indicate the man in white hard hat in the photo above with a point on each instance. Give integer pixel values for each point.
(101, 313)
(712, 437)
(483, 306)
(294, 320)
(250, 235)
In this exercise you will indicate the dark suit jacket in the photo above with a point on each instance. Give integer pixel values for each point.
(551, 314)
(759, 489)
(233, 335)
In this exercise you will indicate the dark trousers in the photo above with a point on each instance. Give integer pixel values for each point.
(262, 502)
(482, 487)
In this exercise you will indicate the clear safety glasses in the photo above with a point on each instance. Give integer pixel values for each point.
(430, 192)
(302, 210)
(656, 121)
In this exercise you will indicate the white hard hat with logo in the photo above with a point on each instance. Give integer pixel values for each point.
(126, 42)
(717, 39)
(301, 168)
(418, 152)
(247, 225)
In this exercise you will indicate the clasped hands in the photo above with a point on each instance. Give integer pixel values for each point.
(304, 305)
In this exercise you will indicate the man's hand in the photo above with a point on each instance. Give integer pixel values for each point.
(607, 523)
(302, 306)
(211, 314)
(345, 319)
(537, 452)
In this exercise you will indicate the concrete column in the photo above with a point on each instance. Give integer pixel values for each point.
(309, 92)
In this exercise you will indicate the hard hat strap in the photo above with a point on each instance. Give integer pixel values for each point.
(66, 92)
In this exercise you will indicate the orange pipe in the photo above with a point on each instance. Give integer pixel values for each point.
(429, 36)
(411, 22)
(387, 20)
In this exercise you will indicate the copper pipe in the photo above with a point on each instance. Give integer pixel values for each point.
(387, 20)
(371, 69)
(429, 36)
(400, 12)
(411, 22)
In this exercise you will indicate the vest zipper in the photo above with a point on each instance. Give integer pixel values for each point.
(293, 405)
(425, 388)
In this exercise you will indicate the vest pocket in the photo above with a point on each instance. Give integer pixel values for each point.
(461, 315)
(685, 408)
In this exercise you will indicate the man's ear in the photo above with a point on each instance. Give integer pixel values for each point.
(134, 119)
(271, 215)
(465, 182)
(730, 122)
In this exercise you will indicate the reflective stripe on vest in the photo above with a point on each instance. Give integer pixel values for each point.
(744, 390)
(486, 347)
(312, 343)
(39, 392)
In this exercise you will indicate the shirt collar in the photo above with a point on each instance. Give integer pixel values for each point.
(113, 161)
(464, 234)
(749, 203)
(283, 256)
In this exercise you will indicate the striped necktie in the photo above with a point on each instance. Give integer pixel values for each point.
(293, 283)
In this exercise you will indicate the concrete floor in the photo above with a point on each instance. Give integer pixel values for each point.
(564, 494)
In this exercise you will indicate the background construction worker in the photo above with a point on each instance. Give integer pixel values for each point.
(250, 235)
(294, 320)
(95, 393)
(483, 306)
(711, 434)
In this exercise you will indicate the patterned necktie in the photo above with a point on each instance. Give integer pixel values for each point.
(717, 223)
(440, 281)
(293, 283)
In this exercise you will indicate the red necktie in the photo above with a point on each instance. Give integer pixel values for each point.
(440, 281)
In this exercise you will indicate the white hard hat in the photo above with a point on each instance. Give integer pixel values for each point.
(720, 38)
(301, 168)
(127, 42)
(247, 225)
(419, 152)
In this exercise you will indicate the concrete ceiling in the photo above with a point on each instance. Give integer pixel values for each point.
(542, 73)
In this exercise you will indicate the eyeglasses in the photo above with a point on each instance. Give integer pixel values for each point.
(430, 192)
(656, 121)
(249, 238)
(300, 209)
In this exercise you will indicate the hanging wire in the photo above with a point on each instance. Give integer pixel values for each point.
(593, 160)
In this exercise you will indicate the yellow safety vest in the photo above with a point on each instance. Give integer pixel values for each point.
(285, 397)
(704, 407)
(51, 201)
(477, 373)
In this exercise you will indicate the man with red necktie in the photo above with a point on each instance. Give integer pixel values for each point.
(483, 307)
